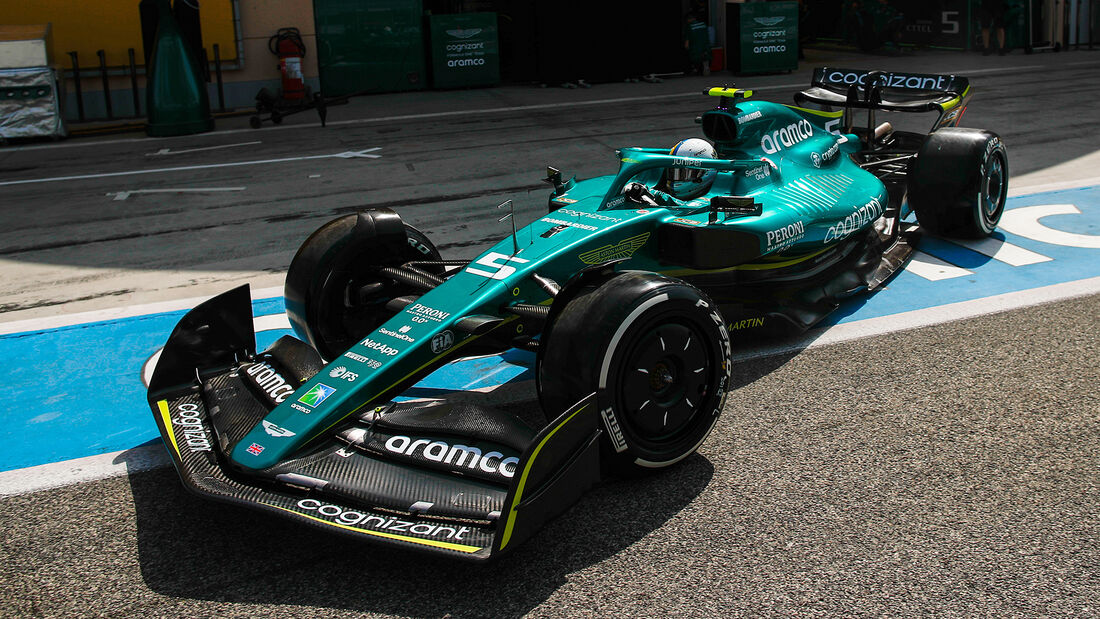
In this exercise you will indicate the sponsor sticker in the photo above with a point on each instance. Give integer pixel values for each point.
(786, 137)
(890, 80)
(596, 216)
(748, 323)
(343, 373)
(423, 313)
(551, 220)
(456, 455)
(389, 351)
(273, 430)
(787, 235)
(190, 421)
(862, 216)
(744, 118)
(399, 335)
(392, 524)
(613, 429)
(443, 341)
(623, 249)
(270, 381)
(318, 394)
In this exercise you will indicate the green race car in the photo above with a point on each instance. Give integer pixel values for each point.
(631, 290)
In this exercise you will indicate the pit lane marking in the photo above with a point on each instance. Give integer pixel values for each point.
(1024, 222)
(933, 269)
(1002, 251)
(154, 456)
(169, 151)
(122, 195)
(349, 154)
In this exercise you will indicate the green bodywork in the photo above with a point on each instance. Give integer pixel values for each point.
(789, 160)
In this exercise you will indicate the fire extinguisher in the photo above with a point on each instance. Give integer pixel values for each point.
(288, 46)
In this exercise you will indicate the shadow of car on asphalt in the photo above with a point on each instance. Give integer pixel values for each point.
(193, 548)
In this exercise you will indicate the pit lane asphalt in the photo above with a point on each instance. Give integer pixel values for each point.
(945, 471)
(950, 470)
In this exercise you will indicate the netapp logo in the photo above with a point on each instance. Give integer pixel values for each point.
(270, 381)
(786, 137)
(348, 517)
(389, 351)
(456, 455)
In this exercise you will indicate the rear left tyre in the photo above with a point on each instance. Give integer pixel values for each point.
(958, 182)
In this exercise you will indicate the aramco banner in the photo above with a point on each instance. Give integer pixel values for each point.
(465, 50)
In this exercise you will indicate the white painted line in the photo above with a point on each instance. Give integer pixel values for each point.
(344, 155)
(46, 476)
(1027, 190)
(169, 151)
(148, 457)
(116, 313)
(932, 268)
(1024, 222)
(1001, 251)
(83, 470)
(122, 195)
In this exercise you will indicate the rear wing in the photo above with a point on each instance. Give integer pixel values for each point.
(839, 80)
(889, 91)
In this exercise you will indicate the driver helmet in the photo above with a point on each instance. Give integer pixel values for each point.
(688, 183)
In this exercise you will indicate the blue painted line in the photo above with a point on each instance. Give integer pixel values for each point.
(76, 391)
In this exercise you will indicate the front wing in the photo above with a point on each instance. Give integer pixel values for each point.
(343, 482)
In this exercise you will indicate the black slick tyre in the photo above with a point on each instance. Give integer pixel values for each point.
(334, 293)
(656, 352)
(958, 182)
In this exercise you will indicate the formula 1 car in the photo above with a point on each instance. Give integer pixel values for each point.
(629, 290)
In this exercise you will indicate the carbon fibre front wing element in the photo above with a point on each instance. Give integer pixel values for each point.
(458, 480)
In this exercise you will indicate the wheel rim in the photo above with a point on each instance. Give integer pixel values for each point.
(993, 189)
(663, 381)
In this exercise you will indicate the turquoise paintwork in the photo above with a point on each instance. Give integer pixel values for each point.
(787, 159)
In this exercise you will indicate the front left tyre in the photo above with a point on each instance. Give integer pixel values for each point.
(334, 292)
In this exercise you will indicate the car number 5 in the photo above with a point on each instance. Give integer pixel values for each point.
(498, 263)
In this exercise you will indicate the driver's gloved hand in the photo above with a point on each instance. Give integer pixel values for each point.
(638, 192)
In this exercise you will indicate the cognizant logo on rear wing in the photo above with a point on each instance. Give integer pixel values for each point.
(825, 76)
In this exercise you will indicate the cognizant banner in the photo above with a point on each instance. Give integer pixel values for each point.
(762, 36)
(464, 50)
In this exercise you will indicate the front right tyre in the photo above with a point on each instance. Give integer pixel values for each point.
(656, 352)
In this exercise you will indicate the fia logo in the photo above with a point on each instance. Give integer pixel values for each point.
(442, 341)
